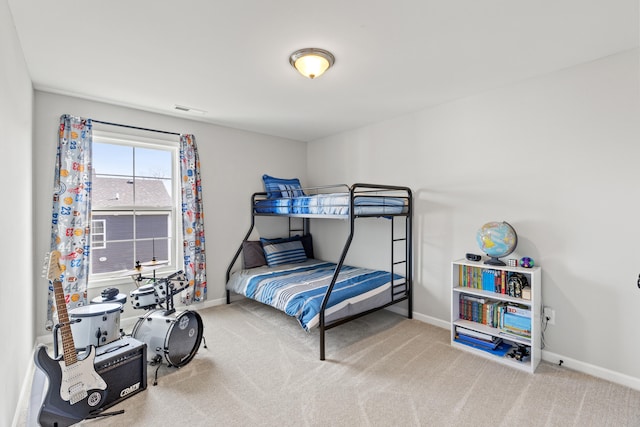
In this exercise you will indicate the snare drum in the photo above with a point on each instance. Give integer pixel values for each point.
(95, 324)
(120, 298)
(144, 297)
(175, 337)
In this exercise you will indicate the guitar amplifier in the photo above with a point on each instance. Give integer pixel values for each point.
(122, 364)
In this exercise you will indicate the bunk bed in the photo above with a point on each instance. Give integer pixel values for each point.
(322, 294)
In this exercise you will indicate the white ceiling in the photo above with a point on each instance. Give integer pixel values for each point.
(230, 58)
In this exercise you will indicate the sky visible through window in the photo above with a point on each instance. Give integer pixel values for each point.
(113, 159)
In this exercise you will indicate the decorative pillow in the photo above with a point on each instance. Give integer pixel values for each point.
(253, 254)
(279, 187)
(284, 252)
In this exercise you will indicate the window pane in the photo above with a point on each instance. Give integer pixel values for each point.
(152, 193)
(146, 250)
(153, 163)
(119, 226)
(150, 226)
(152, 232)
(115, 256)
(97, 227)
(112, 159)
(111, 192)
(117, 251)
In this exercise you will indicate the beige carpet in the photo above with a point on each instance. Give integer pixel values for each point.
(262, 369)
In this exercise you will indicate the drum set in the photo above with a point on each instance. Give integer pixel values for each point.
(172, 337)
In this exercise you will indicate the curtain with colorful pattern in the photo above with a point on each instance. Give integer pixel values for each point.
(71, 213)
(192, 221)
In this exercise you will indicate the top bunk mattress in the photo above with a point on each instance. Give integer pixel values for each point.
(332, 204)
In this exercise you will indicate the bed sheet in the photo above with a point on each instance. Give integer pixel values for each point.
(298, 289)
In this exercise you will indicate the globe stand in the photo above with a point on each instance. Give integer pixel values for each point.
(495, 261)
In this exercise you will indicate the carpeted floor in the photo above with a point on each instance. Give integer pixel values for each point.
(262, 369)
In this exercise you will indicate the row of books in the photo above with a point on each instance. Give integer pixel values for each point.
(480, 310)
(486, 279)
(511, 318)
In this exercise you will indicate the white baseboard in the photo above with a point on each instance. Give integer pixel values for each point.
(594, 371)
(547, 356)
(27, 396)
(421, 317)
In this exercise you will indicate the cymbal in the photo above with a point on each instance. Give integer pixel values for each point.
(135, 271)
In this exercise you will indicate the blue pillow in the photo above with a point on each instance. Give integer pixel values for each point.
(307, 242)
(284, 252)
(279, 187)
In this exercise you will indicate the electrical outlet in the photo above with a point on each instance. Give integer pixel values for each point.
(550, 315)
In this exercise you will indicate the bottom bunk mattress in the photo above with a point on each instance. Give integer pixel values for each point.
(298, 289)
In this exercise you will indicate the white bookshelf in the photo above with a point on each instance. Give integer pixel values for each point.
(534, 304)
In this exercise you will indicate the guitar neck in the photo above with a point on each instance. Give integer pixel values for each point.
(68, 347)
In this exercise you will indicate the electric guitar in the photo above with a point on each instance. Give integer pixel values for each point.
(74, 387)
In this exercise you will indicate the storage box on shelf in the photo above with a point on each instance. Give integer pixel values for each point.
(493, 313)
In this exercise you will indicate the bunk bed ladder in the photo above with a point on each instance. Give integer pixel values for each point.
(402, 289)
(302, 229)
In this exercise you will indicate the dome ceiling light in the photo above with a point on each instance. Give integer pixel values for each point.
(312, 62)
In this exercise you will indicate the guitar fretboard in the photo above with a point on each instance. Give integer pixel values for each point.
(68, 347)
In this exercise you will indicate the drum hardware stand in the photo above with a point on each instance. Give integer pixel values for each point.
(171, 291)
(104, 414)
(139, 277)
(156, 361)
(177, 276)
(55, 334)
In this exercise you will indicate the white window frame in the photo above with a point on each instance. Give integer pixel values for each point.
(103, 234)
(143, 140)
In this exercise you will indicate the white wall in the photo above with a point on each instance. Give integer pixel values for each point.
(16, 290)
(232, 164)
(558, 157)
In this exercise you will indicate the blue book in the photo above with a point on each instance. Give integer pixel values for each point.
(466, 339)
(501, 349)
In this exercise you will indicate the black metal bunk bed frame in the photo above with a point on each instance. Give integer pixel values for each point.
(399, 291)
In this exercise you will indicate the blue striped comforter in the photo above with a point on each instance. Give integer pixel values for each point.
(332, 204)
(298, 289)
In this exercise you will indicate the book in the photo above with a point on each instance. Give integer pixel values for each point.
(518, 310)
(478, 342)
(515, 324)
(515, 337)
(500, 350)
(475, 334)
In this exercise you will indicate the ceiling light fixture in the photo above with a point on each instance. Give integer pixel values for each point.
(312, 62)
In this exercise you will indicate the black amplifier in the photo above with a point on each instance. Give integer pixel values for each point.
(122, 364)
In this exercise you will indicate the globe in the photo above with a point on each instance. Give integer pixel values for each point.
(497, 240)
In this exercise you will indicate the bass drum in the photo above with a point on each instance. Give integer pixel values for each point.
(175, 337)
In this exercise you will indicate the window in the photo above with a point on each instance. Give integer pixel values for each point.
(97, 233)
(134, 204)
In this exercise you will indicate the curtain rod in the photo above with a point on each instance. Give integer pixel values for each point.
(134, 127)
